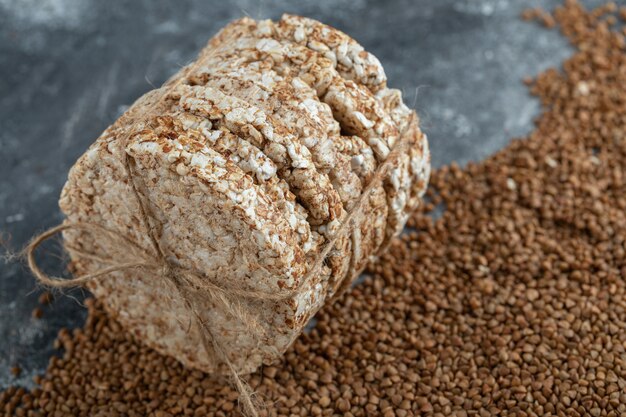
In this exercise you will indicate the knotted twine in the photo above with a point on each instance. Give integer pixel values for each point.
(190, 283)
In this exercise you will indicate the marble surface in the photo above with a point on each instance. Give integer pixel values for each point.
(68, 68)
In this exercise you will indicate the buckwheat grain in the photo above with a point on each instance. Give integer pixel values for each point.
(512, 302)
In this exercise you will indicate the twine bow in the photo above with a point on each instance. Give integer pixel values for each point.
(191, 284)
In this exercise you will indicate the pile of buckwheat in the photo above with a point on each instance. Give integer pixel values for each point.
(513, 302)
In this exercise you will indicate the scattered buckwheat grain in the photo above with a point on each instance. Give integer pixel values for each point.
(37, 313)
(45, 298)
(513, 302)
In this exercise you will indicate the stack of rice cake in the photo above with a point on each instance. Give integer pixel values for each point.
(247, 163)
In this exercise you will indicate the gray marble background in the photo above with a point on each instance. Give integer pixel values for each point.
(68, 68)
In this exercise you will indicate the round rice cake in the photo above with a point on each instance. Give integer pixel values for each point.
(270, 251)
(250, 160)
(292, 159)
